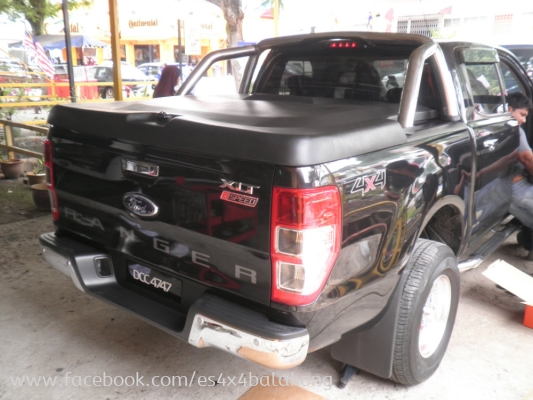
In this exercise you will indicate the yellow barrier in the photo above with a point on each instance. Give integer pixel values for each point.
(36, 122)
(26, 99)
(8, 134)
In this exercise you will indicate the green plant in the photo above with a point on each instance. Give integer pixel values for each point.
(39, 168)
(7, 112)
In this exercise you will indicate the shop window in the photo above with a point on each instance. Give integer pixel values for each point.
(402, 25)
(451, 22)
(146, 53)
(424, 25)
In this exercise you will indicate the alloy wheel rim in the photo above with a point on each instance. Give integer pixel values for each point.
(435, 316)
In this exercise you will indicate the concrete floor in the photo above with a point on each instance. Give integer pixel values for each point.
(49, 329)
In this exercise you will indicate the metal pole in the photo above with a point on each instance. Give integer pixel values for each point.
(276, 17)
(70, 68)
(115, 50)
(179, 43)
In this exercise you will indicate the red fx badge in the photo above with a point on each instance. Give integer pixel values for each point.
(247, 201)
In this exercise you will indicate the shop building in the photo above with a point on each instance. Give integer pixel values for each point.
(150, 33)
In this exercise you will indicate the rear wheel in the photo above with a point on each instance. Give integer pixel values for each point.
(108, 93)
(427, 310)
(524, 238)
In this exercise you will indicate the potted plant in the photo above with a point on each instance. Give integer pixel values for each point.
(37, 175)
(39, 194)
(11, 167)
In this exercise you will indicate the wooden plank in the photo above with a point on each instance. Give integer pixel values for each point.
(23, 126)
(18, 150)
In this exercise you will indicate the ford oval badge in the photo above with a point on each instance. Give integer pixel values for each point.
(140, 205)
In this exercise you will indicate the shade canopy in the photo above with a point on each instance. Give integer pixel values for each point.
(75, 41)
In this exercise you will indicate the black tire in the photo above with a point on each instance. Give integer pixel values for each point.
(109, 93)
(524, 238)
(432, 264)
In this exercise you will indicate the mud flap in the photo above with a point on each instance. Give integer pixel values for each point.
(371, 347)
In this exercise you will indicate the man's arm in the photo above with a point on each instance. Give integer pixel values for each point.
(526, 158)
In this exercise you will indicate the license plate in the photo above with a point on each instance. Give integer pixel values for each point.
(154, 279)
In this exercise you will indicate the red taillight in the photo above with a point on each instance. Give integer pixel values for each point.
(305, 242)
(49, 169)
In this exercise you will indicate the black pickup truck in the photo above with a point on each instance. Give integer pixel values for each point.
(332, 200)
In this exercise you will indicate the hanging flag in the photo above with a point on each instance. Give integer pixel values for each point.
(43, 61)
(40, 56)
(28, 42)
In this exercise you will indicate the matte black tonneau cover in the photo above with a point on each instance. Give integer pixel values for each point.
(276, 129)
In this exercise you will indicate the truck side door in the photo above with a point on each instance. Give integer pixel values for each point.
(496, 137)
(475, 154)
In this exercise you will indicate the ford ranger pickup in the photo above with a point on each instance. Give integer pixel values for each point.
(330, 200)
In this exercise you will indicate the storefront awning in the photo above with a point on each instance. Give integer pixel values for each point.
(75, 41)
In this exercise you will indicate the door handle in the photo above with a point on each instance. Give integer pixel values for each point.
(490, 144)
(140, 168)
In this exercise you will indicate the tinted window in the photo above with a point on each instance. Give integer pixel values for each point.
(485, 87)
(346, 75)
(512, 83)
(153, 70)
(429, 100)
(102, 73)
(60, 70)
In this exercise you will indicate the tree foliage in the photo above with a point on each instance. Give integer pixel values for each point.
(36, 11)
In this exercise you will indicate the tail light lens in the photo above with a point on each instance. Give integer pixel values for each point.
(306, 234)
(49, 170)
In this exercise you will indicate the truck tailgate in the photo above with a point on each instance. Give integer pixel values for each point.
(182, 215)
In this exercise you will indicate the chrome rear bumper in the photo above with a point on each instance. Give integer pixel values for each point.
(211, 321)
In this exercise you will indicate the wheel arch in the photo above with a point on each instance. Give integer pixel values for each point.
(447, 212)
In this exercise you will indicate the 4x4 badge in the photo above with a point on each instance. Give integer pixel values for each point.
(366, 183)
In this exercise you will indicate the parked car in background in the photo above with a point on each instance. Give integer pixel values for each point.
(14, 71)
(151, 69)
(11, 68)
(524, 52)
(81, 74)
(154, 69)
(134, 81)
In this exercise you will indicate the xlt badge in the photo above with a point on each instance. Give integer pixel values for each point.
(140, 205)
(238, 186)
